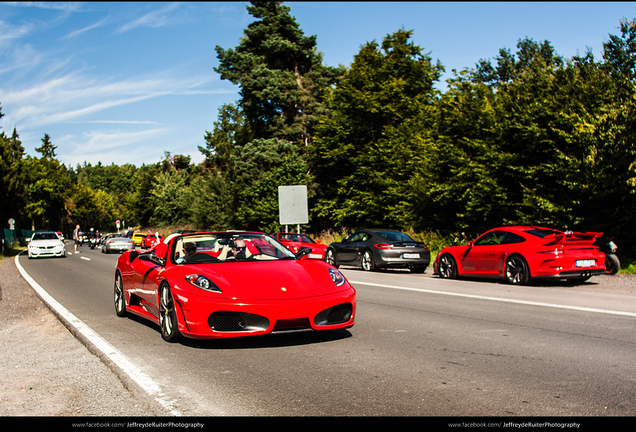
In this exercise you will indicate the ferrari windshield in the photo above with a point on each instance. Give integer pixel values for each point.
(227, 247)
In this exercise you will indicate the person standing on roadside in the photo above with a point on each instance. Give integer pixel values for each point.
(76, 238)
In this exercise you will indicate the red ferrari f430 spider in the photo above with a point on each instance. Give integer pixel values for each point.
(229, 284)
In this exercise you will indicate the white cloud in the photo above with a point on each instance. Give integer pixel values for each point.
(9, 32)
(85, 29)
(114, 146)
(151, 19)
(72, 97)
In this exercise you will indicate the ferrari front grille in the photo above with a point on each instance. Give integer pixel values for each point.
(335, 315)
(292, 325)
(227, 321)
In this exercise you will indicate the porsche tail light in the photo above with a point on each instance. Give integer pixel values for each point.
(202, 282)
(383, 246)
(556, 252)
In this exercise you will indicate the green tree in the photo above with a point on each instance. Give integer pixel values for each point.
(171, 198)
(260, 143)
(367, 147)
(142, 209)
(460, 187)
(48, 187)
(12, 180)
(280, 73)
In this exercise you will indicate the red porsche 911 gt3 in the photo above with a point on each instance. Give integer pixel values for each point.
(519, 253)
(229, 284)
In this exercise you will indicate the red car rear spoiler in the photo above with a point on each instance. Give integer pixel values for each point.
(573, 238)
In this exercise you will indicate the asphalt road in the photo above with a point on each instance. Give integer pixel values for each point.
(421, 346)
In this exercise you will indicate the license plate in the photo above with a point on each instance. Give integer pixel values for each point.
(315, 256)
(410, 256)
(585, 263)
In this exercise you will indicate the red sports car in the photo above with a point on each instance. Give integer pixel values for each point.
(151, 240)
(294, 241)
(518, 253)
(228, 284)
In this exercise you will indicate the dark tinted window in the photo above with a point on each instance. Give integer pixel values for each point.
(511, 238)
(541, 232)
(395, 236)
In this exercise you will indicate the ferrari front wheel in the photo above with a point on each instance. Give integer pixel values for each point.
(168, 315)
(516, 270)
(120, 301)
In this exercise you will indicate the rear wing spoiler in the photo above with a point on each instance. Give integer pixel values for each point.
(573, 238)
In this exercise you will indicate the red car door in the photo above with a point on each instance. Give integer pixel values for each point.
(485, 254)
(147, 270)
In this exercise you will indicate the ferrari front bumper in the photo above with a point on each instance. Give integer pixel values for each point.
(204, 317)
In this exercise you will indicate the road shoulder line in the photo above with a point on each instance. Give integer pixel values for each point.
(524, 302)
(97, 344)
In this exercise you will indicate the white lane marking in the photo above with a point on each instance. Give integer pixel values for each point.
(505, 300)
(144, 381)
(84, 258)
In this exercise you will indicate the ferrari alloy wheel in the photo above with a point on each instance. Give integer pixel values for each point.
(120, 301)
(330, 258)
(516, 271)
(168, 315)
(367, 261)
(447, 267)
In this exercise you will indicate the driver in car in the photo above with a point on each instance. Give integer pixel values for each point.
(238, 250)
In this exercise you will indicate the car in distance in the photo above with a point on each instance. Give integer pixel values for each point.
(518, 254)
(230, 284)
(138, 238)
(151, 240)
(45, 244)
(294, 241)
(373, 249)
(117, 243)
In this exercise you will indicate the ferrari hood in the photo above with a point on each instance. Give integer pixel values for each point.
(265, 280)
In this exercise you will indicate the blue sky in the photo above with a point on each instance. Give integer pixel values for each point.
(125, 82)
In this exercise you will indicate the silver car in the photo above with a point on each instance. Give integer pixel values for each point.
(117, 243)
(45, 244)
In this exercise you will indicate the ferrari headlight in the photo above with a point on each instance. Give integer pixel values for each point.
(202, 282)
(337, 277)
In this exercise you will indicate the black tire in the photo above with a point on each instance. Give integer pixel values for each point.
(120, 300)
(612, 264)
(516, 271)
(330, 257)
(447, 267)
(168, 315)
(367, 262)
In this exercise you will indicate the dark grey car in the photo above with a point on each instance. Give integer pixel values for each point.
(117, 243)
(373, 249)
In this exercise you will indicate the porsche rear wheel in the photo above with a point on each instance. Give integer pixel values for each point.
(447, 267)
(168, 315)
(612, 264)
(367, 261)
(516, 271)
(120, 302)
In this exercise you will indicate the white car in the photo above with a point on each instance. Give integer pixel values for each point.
(45, 244)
